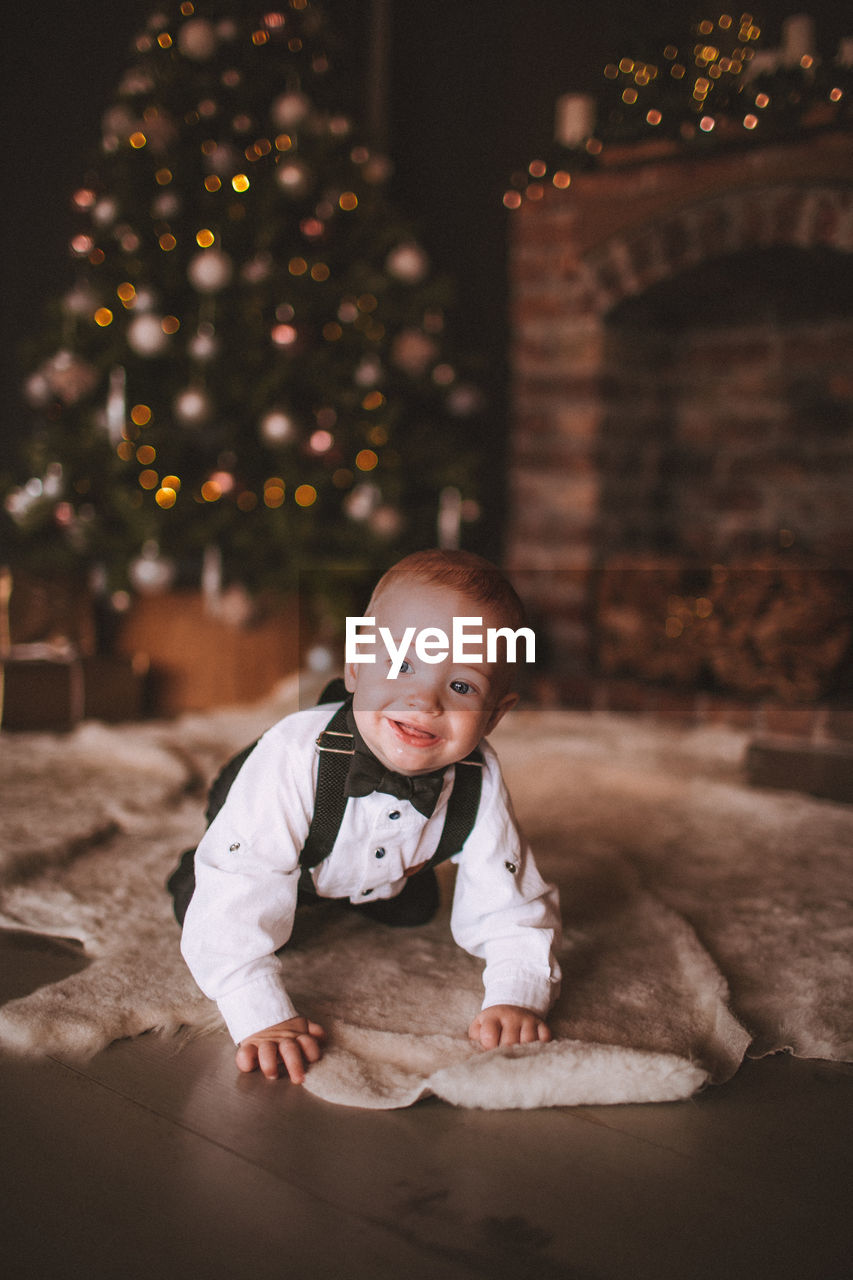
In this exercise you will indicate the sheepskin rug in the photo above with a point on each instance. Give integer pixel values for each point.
(703, 920)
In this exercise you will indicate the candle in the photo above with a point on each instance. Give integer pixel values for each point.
(797, 39)
(574, 119)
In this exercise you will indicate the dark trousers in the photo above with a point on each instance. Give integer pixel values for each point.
(416, 904)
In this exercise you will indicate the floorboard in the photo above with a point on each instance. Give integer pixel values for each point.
(158, 1158)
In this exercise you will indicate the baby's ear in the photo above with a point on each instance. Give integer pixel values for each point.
(350, 676)
(504, 704)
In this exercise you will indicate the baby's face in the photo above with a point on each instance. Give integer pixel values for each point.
(431, 714)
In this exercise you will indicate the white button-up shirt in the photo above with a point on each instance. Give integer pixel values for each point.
(247, 878)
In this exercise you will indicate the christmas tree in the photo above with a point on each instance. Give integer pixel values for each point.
(250, 368)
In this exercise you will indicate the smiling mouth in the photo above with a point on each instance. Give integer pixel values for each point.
(412, 735)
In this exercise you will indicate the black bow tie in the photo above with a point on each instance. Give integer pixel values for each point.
(367, 774)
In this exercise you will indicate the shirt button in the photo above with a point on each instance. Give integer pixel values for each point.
(379, 853)
(511, 867)
(394, 815)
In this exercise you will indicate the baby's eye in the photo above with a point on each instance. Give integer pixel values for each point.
(406, 667)
(461, 686)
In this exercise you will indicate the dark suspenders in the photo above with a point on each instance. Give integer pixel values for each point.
(335, 745)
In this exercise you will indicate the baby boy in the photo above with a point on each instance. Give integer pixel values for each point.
(416, 719)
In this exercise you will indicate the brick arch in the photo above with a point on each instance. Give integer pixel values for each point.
(780, 215)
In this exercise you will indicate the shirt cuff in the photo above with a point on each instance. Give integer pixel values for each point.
(525, 990)
(256, 1006)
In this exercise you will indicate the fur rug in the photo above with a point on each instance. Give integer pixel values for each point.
(702, 919)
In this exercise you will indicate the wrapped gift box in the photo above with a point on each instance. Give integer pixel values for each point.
(41, 689)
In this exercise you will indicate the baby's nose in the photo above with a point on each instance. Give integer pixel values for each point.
(424, 696)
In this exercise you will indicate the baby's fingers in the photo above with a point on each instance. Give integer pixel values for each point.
(247, 1056)
(294, 1064)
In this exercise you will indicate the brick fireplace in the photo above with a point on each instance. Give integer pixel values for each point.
(681, 503)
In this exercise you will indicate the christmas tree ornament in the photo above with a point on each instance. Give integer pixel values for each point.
(82, 300)
(203, 345)
(290, 110)
(145, 299)
(378, 169)
(293, 177)
(192, 406)
(117, 125)
(368, 372)
(197, 39)
(257, 269)
(36, 389)
(361, 501)
(241, 339)
(145, 335)
(385, 521)
(105, 212)
(407, 263)
(70, 377)
(413, 352)
(221, 159)
(166, 205)
(465, 399)
(151, 573)
(135, 82)
(210, 270)
(277, 427)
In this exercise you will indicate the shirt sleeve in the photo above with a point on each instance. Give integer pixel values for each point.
(247, 879)
(503, 911)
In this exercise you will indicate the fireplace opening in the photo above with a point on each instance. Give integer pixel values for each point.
(725, 465)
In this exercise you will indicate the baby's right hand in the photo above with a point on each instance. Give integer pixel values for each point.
(293, 1043)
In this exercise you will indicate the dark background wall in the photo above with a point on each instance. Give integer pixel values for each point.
(472, 85)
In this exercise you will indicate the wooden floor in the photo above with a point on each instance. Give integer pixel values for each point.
(152, 1162)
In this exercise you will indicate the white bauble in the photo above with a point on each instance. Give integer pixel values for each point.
(150, 572)
(385, 521)
(135, 81)
(81, 300)
(145, 335)
(257, 269)
(210, 270)
(413, 352)
(192, 406)
(105, 212)
(407, 263)
(361, 501)
(145, 299)
(276, 427)
(70, 377)
(222, 160)
(368, 373)
(203, 345)
(37, 390)
(289, 110)
(166, 205)
(465, 399)
(292, 176)
(197, 40)
(118, 123)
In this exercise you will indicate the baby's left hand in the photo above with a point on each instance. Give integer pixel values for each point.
(503, 1024)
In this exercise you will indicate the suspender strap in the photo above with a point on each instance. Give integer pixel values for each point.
(336, 748)
(335, 744)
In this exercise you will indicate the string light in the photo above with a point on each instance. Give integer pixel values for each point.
(707, 78)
